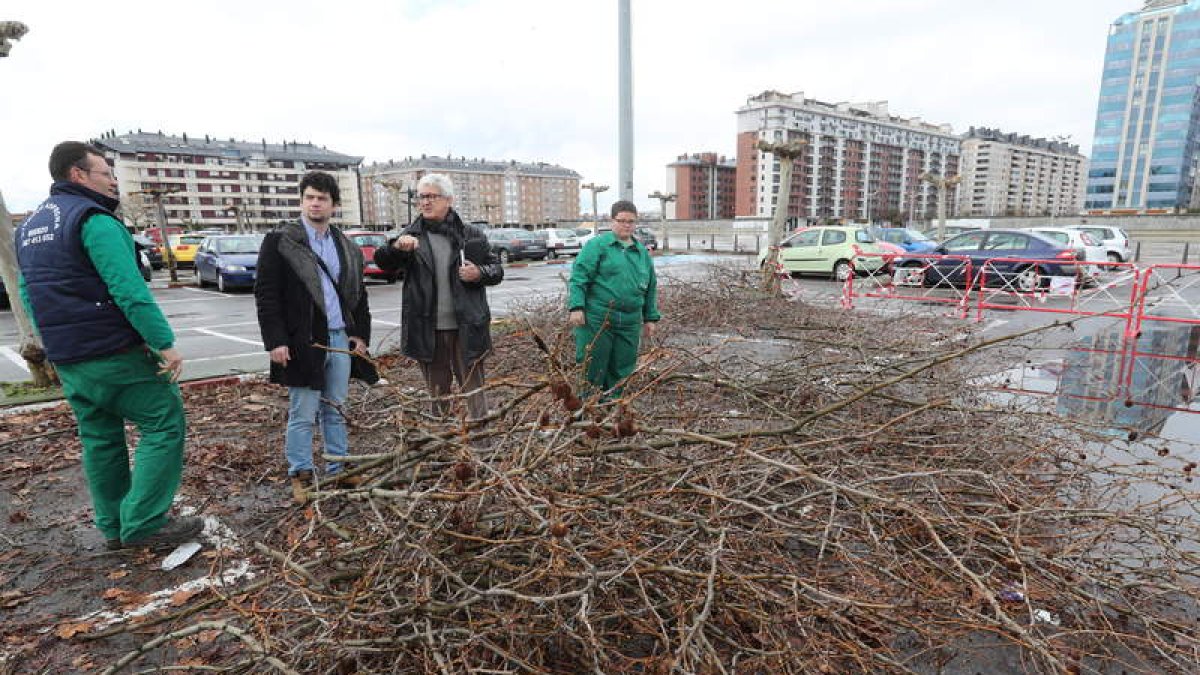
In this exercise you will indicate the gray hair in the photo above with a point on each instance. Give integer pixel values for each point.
(438, 180)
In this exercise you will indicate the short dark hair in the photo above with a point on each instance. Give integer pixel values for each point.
(623, 206)
(68, 154)
(321, 182)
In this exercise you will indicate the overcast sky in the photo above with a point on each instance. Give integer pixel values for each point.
(529, 80)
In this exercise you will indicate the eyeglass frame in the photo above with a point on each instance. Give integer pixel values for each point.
(88, 170)
(429, 197)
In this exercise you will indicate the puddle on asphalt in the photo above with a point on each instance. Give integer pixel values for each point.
(1125, 388)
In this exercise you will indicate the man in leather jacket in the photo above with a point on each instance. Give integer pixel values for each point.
(445, 319)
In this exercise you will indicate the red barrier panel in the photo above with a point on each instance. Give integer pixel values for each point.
(921, 278)
(1028, 288)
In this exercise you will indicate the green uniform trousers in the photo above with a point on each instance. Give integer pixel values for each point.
(608, 348)
(104, 392)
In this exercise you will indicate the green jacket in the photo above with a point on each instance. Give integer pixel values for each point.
(608, 274)
(110, 247)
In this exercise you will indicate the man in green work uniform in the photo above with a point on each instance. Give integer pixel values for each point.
(613, 298)
(112, 347)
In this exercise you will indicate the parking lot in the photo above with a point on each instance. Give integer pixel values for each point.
(218, 332)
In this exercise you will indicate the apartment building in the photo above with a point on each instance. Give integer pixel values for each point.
(214, 183)
(858, 162)
(1148, 115)
(1005, 174)
(498, 192)
(704, 185)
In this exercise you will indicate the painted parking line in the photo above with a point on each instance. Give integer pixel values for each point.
(223, 357)
(226, 336)
(205, 290)
(14, 357)
(216, 536)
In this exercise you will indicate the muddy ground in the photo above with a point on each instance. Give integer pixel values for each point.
(55, 573)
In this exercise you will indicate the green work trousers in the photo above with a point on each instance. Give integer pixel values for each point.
(608, 348)
(105, 392)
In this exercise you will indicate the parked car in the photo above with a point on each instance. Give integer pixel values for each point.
(1079, 240)
(368, 241)
(646, 236)
(154, 234)
(559, 242)
(512, 243)
(143, 263)
(585, 234)
(228, 260)
(905, 237)
(1116, 243)
(150, 247)
(184, 246)
(829, 250)
(952, 231)
(989, 247)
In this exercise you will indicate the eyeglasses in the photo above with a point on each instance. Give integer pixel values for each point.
(428, 196)
(625, 221)
(107, 173)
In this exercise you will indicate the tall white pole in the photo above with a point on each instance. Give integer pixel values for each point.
(625, 181)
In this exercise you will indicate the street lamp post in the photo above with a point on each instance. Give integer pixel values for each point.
(663, 200)
(871, 207)
(942, 184)
(596, 189)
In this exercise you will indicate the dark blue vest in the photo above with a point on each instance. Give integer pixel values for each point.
(72, 307)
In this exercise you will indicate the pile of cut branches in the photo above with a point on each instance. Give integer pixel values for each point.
(781, 489)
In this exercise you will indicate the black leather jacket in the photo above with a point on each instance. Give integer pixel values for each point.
(418, 311)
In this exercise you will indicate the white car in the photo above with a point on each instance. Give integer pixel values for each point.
(585, 234)
(560, 242)
(1116, 243)
(1079, 240)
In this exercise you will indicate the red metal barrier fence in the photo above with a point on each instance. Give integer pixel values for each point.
(1150, 358)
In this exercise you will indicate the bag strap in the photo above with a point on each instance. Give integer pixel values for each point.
(346, 316)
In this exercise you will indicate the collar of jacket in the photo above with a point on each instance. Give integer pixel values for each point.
(613, 241)
(294, 249)
(456, 231)
(453, 222)
(66, 187)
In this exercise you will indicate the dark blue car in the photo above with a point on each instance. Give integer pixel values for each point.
(1039, 259)
(228, 260)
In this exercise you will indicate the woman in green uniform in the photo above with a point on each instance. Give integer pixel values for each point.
(613, 298)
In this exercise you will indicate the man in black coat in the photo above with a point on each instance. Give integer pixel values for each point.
(313, 313)
(445, 319)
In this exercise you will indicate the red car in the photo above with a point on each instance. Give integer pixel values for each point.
(369, 241)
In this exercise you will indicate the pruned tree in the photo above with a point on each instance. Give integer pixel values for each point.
(31, 348)
(787, 152)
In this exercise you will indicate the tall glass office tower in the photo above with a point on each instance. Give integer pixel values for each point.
(1148, 118)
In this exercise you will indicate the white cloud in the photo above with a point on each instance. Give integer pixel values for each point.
(531, 80)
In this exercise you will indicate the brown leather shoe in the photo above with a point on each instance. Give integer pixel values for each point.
(300, 486)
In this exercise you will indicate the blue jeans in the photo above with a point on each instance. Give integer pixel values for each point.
(307, 404)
